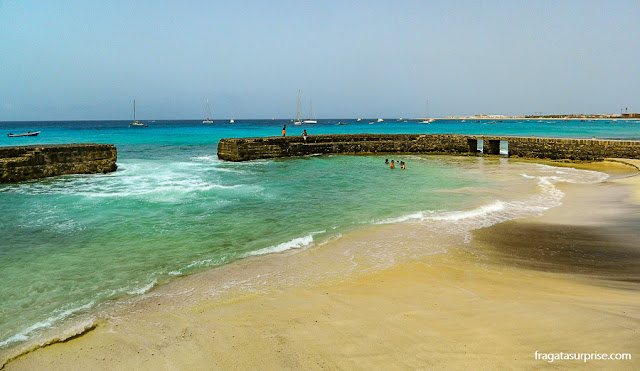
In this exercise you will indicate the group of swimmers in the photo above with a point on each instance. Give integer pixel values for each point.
(392, 164)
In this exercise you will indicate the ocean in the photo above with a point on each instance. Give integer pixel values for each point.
(73, 245)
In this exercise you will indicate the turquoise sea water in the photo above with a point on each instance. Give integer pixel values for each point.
(73, 244)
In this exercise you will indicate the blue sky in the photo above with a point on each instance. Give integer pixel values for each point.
(74, 60)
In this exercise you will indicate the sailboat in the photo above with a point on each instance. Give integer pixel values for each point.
(311, 119)
(135, 122)
(427, 120)
(298, 120)
(208, 120)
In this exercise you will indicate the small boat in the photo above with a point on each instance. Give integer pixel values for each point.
(342, 123)
(27, 134)
(135, 122)
(208, 120)
(380, 120)
(231, 121)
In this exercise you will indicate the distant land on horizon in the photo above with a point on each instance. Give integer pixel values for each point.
(552, 116)
(364, 118)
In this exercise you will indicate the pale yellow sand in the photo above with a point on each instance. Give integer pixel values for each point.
(487, 305)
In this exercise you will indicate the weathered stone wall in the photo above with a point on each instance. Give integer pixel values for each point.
(572, 149)
(40, 161)
(243, 149)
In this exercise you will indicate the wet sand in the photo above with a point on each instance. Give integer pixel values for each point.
(564, 282)
(594, 234)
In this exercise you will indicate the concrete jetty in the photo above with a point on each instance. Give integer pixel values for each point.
(39, 161)
(244, 149)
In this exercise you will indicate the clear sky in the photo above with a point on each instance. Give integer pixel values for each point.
(79, 59)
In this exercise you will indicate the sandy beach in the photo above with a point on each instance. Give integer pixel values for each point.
(568, 281)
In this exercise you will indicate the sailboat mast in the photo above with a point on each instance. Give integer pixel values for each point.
(427, 109)
(134, 110)
(299, 107)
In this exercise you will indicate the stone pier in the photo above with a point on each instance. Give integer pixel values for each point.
(243, 149)
(40, 161)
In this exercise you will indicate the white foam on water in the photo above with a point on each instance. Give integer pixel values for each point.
(155, 180)
(497, 211)
(224, 166)
(414, 216)
(336, 237)
(61, 315)
(481, 211)
(252, 163)
(66, 226)
(25, 334)
(415, 158)
(143, 289)
(198, 263)
(228, 170)
(209, 158)
(572, 175)
(296, 243)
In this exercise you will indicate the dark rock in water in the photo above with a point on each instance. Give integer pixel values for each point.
(40, 161)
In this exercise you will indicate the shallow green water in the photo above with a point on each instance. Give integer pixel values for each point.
(72, 244)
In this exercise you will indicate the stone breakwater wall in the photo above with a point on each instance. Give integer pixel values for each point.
(243, 149)
(40, 161)
(572, 149)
